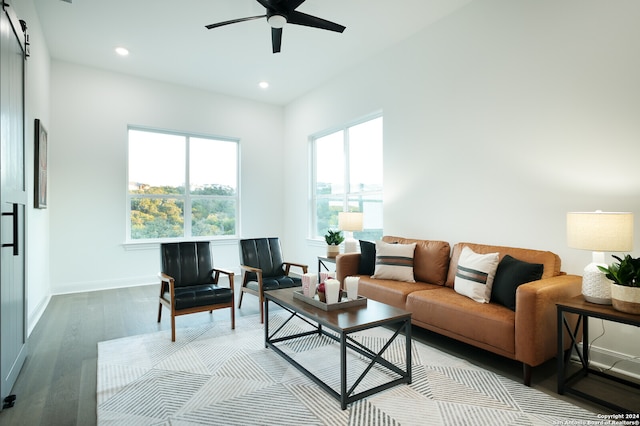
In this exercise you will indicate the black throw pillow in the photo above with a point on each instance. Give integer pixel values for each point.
(367, 265)
(510, 274)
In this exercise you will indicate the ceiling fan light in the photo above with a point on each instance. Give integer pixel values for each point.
(277, 21)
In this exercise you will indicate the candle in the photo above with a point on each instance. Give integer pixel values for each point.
(351, 284)
(309, 282)
(324, 276)
(332, 290)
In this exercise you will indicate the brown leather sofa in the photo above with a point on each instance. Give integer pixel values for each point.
(527, 334)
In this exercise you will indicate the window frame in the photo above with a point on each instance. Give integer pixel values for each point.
(187, 197)
(347, 195)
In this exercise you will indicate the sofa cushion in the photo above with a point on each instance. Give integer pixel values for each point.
(475, 273)
(200, 295)
(510, 274)
(367, 263)
(390, 292)
(549, 260)
(430, 259)
(490, 326)
(394, 261)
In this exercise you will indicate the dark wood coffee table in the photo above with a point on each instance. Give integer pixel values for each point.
(343, 322)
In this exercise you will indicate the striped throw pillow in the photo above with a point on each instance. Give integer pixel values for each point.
(394, 261)
(475, 273)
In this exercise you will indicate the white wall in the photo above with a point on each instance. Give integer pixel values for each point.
(498, 120)
(88, 137)
(37, 105)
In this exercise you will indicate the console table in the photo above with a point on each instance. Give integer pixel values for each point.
(586, 310)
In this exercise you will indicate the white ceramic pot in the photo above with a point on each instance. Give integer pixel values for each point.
(626, 299)
(333, 250)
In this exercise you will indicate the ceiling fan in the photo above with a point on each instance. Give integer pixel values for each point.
(280, 12)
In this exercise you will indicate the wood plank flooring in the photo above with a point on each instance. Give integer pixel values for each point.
(57, 385)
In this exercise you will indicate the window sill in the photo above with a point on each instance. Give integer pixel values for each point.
(155, 245)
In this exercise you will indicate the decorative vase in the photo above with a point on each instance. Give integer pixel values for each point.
(625, 299)
(332, 250)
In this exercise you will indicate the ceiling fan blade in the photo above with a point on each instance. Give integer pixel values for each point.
(293, 4)
(233, 21)
(276, 39)
(300, 18)
(265, 3)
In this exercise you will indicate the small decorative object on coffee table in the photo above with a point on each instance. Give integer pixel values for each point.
(351, 285)
(309, 283)
(625, 289)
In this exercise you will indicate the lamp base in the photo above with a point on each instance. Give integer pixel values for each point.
(350, 245)
(596, 287)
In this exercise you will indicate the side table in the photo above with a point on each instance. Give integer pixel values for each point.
(586, 310)
(323, 261)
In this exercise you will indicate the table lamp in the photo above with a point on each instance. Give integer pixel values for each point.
(349, 222)
(599, 232)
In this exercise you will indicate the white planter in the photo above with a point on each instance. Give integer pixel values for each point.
(333, 250)
(626, 299)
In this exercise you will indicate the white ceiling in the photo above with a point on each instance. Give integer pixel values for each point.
(168, 41)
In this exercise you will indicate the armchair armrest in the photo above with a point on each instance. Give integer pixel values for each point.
(288, 265)
(347, 265)
(216, 275)
(257, 271)
(251, 269)
(536, 316)
(167, 280)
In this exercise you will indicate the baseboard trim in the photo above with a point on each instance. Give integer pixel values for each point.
(80, 287)
(37, 314)
(604, 359)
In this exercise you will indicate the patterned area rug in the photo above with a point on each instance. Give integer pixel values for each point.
(213, 375)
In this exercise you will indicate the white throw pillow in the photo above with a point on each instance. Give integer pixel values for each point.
(394, 261)
(475, 273)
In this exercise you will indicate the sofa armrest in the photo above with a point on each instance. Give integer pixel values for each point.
(347, 265)
(536, 316)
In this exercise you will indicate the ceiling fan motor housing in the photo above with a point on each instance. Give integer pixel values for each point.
(276, 20)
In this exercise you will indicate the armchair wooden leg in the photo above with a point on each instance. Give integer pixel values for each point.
(240, 301)
(261, 299)
(173, 328)
(233, 318)
(160, 312)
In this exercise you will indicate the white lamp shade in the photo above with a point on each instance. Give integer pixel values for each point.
(350, 221)
(600, 231)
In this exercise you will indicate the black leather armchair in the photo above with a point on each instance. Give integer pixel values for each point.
(264, 269)
(189, 282)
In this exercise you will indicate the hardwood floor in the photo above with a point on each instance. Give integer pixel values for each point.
(57, 385)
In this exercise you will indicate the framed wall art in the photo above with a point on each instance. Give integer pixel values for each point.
(40, 154)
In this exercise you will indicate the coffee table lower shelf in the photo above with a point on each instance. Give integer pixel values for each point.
(320, 320)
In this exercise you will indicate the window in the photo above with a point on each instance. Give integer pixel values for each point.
(347, 176)
(181, 186)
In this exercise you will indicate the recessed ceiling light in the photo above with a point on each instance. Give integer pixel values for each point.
(122, 51)
(263, 85)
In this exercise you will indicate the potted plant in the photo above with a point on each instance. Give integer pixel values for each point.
(625, 289)
(333, 240)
